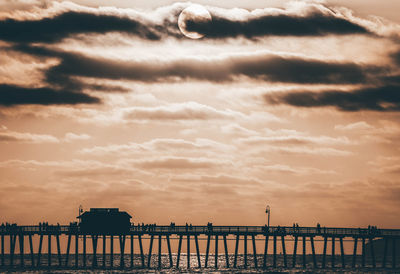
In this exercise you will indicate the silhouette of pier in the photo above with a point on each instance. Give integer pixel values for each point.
(277, 236)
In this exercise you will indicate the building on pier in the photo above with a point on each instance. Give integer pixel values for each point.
(104, 220)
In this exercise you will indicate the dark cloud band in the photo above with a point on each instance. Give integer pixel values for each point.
(385, 98)
(281, 25)
(266, 67)
(70, 23)
(13, 95)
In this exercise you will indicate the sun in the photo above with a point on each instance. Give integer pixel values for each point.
(195, 13)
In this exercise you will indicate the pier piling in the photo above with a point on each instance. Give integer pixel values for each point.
(294, 251)
(304, 252)
(342, 252)
(216, 251)
(171, 264)
(265, 251)
(284, 251)
(236, 251)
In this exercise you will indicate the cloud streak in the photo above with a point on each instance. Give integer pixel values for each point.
(263, 66)
(54, 29)
(385, 98)
(11, 95)
(316, 24)
(184, 111)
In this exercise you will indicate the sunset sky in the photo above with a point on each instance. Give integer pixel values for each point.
(291, 104)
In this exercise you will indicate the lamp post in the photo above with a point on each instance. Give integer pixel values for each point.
(268, 212)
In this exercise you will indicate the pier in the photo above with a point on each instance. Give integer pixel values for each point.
(154, 235)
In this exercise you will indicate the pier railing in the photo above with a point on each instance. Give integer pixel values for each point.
(258, 230)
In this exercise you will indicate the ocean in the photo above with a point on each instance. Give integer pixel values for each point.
(43, 268)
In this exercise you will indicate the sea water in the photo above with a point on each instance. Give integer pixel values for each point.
(165, 264)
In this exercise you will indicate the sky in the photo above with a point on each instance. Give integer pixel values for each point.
(291, 104)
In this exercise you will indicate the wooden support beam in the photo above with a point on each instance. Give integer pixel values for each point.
(324, 253)
(40, 249)
(254, 250)
(31, 249)
(68, 247)
(216, 251)
(226, 252)
(159, 251)
(333, 253)
(122, 239)
(313, 252)
(111, 251)
(371, 242)
(104, 250)
(245, 250)
(274, 257)
(236, 251)
(132, 251)
(363, 253)
(284, 251)
(207, 249)
(197, 250)
(49, 250)
(354, 253)
(171, 264)
(94, 246)
(179, 250)
(76, 250)
(58, 250)
(150, 250)
(188, 250)
(304, 253)
(141, 249)
(84, 250)
(385, 248)
(294, 251)
(21, 249)
(265, 251)
(2, 249)
(12, 249)
(342, 252)
(394, 253)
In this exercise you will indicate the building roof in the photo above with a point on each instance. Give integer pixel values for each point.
(104, 212)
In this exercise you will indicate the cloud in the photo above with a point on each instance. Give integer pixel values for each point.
(294, 140)
(266, 67)
(384, 98)
(56, 28)
(396, 57)
(70, 137)
(303, 150)
(355, 126)
(158, 145)
(182, 111)
(8, 136)
(11, 95)
(219, 179)
(178, 163)
(105, 171)
(300, 171)
(260, 65)
(315, 24)
(237, 130)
